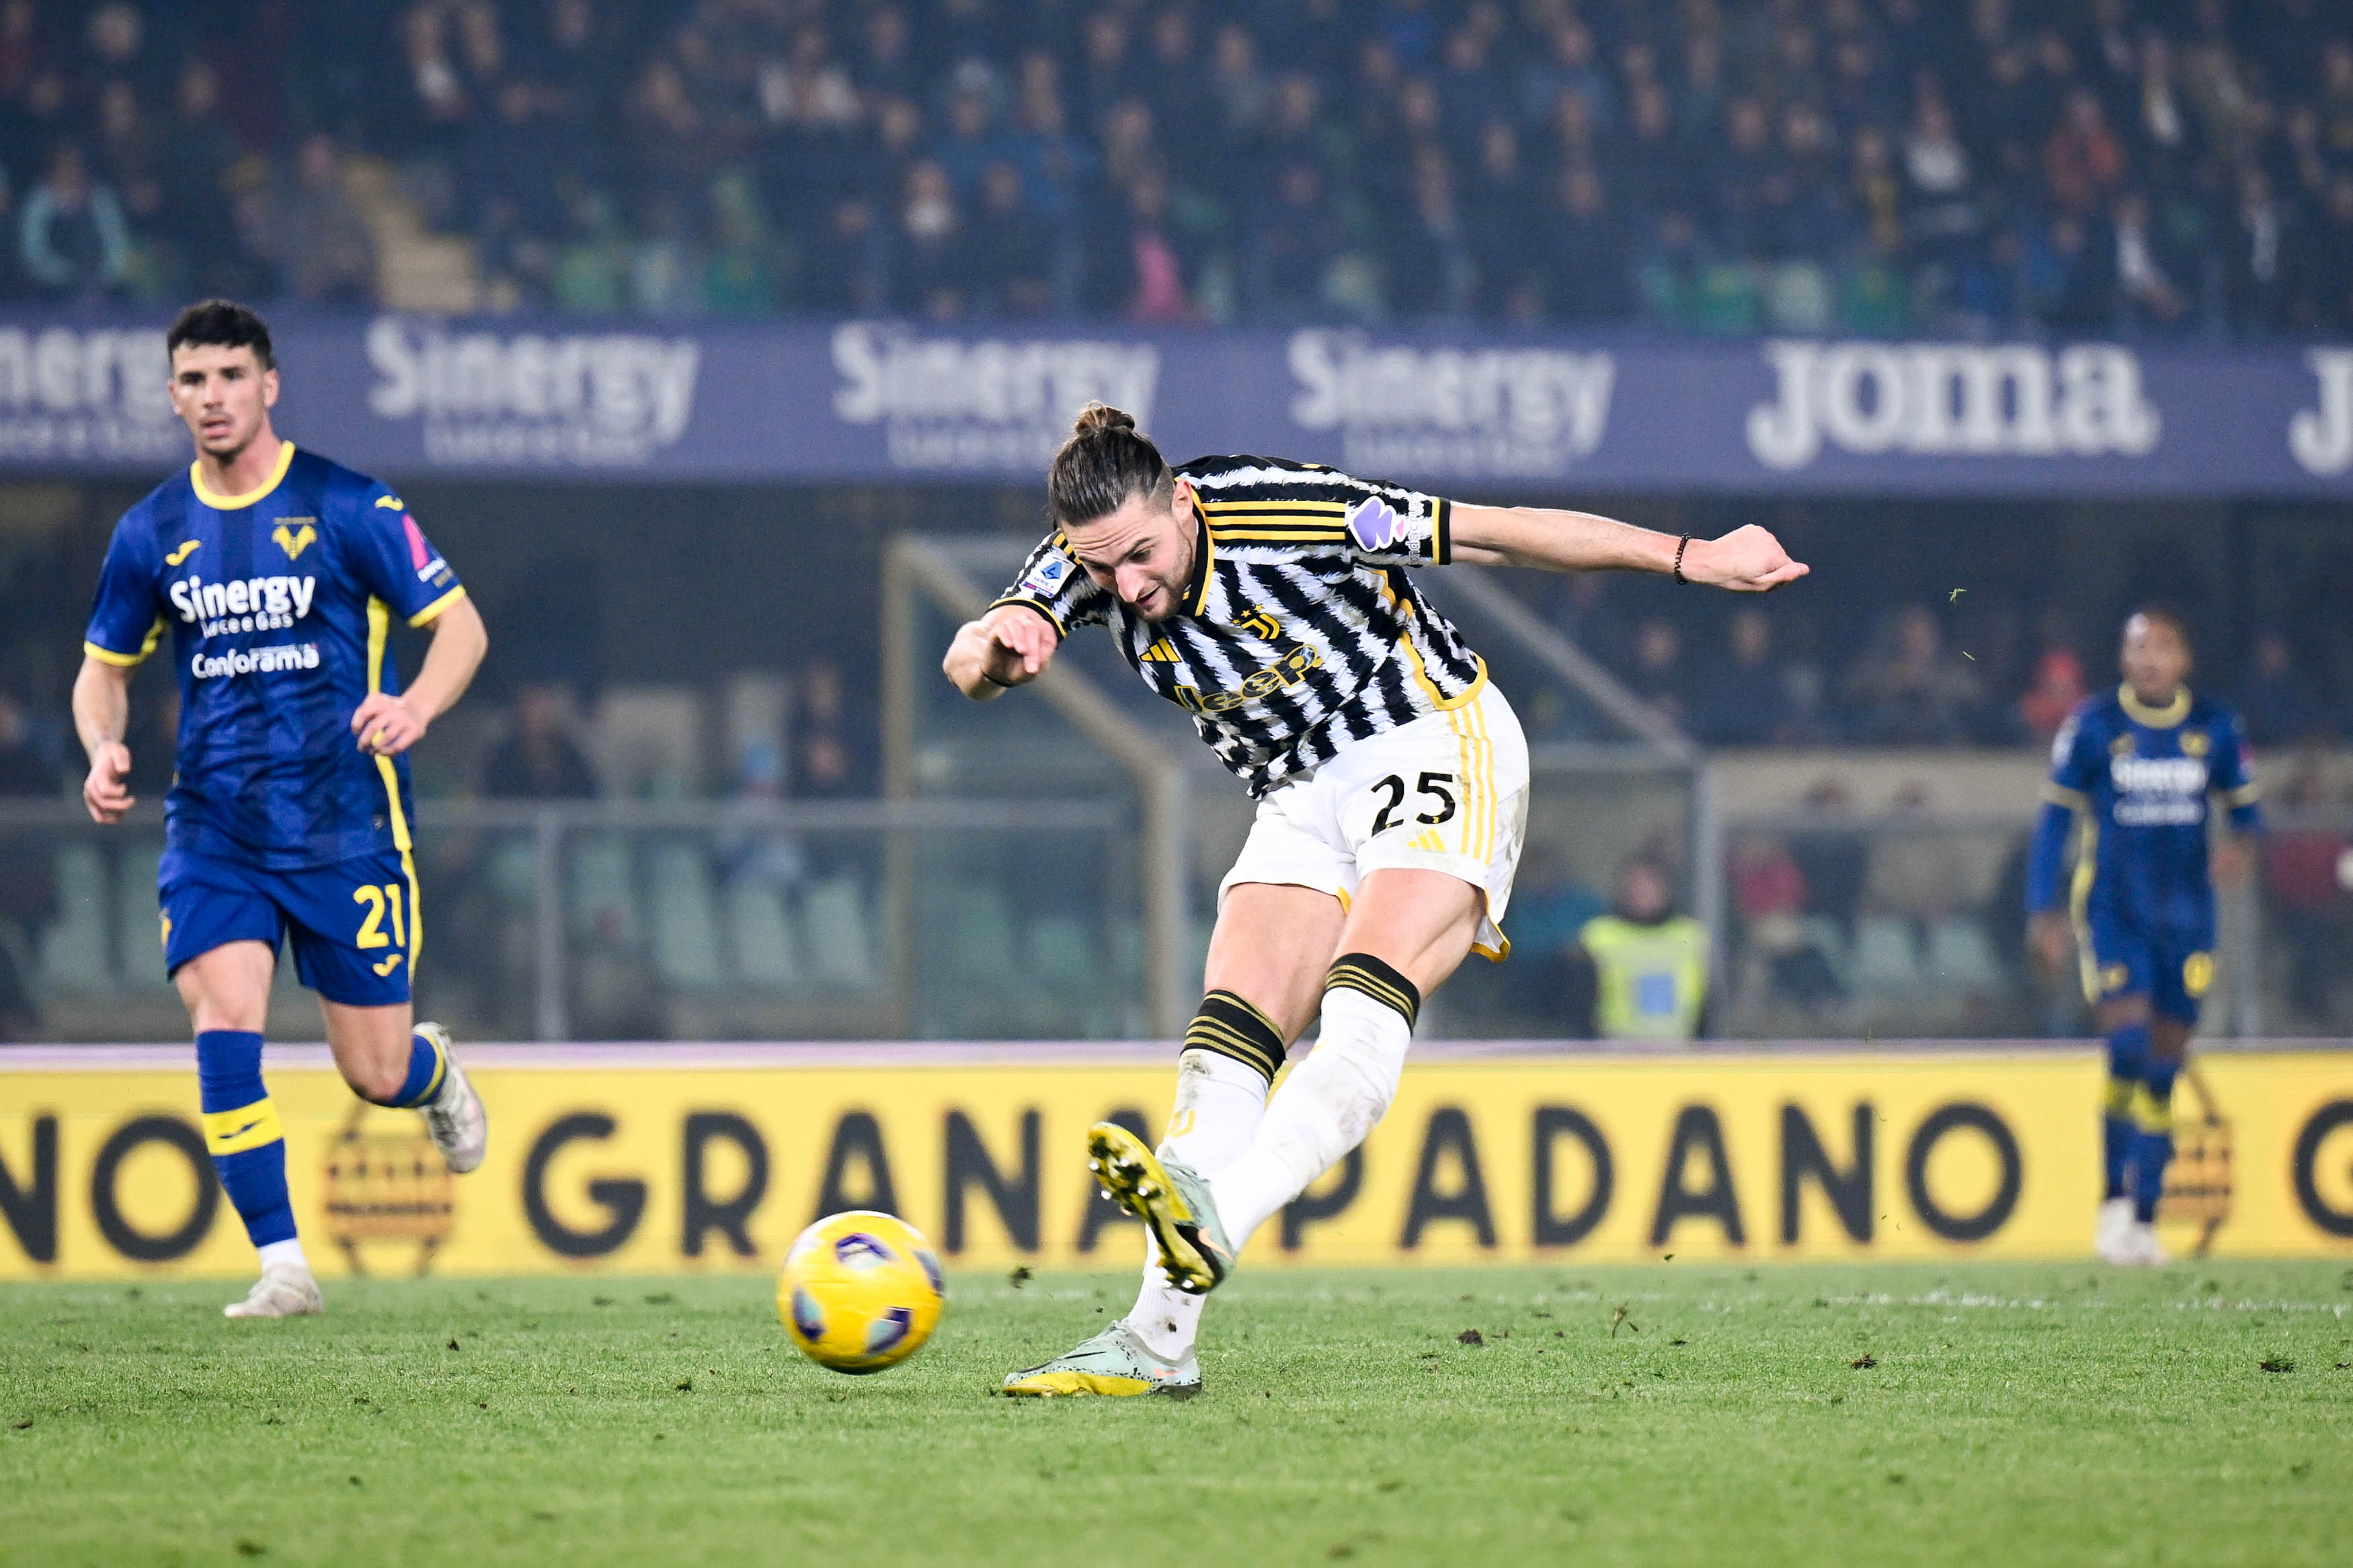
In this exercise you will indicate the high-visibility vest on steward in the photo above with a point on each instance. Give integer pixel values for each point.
(1651, 978)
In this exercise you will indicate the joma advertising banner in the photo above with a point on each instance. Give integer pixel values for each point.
(652, 1168)
(409, 396)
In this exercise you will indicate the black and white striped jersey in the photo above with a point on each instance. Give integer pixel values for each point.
(1301, 631)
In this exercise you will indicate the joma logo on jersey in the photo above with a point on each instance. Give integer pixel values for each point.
(246, 604)
(1289, 670)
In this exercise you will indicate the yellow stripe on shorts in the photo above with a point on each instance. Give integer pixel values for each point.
(246, 1127)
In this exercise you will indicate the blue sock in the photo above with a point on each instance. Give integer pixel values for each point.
(2128, 1065)
(2153, 1141)
(426, 1068)
(241, 1130)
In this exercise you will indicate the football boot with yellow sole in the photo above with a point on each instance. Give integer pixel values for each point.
(1171, 1198)
(1114, 1362)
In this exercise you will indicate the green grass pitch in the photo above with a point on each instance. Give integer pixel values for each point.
(1800, 1415)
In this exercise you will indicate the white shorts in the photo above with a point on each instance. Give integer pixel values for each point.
(1448, 793)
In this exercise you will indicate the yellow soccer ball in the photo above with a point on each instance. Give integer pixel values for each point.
(861, 1292)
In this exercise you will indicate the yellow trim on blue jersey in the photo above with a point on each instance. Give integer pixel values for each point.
(416, 923)
(2245, 794)
(379, 616)
(2056, 794)
(437, 605)
(239, 503)
(246, 1127)
(1028, 603)
(2164, 718)
(2079, 905)
(126, 660)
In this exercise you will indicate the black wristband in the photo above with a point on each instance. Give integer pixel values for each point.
(1000, 685)
(1681, 545)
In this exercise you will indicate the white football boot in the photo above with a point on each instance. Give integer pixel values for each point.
(455, 1117)
(2147, 1250)
(284, 1290)
(2112, 1232)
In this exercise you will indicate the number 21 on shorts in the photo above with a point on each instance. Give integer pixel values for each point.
(380, 902)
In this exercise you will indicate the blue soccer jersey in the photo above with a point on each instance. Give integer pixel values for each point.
(280, 602)
(2142, 894)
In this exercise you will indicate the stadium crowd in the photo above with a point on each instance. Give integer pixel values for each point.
(1728, 165)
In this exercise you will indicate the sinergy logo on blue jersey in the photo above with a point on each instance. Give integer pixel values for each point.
(243, 605)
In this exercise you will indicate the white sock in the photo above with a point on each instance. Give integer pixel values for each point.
(1328, 1105)
(1220, 1102)
(289, 1251)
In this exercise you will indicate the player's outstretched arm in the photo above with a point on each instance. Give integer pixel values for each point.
(1747, 560)
(1007, 647)
(388, 725)
(101, 711)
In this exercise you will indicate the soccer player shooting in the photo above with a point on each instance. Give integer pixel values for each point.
(2137, 767)
(277, 574)
(1271, 601)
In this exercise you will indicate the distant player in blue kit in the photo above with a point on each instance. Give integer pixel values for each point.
(279, 576)
(2137, 767)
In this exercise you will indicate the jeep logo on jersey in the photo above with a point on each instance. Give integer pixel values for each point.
(1957, 400)
(1452, 412)
(495, 399)
(83, 394)
(990, 404)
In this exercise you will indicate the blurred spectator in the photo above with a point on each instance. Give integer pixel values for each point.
(831, 756)
(1910, 691)
(1658, 675)
(1768, 896)
(2056, 687)
(2273, 701)
(27, 892)
(929, 265)
(2307, 871)
(1011, 258)
(1580, 238)
(1299, 244)
(1744, 700)
(323, 248)
(1549, 977)
(539, 760)
(2147, 266)
(1873, 168)
(71, 239)
(2084, 163)
(1430, 271)
(1140, 273)
(1650, 963)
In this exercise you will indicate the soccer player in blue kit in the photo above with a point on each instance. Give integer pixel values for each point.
(279, 575)
(2139, 765)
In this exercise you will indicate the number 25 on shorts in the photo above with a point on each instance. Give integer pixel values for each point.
(380, 901)
(1430, 784)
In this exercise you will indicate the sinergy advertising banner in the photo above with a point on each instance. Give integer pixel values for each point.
(408, 396)
(630, 1165)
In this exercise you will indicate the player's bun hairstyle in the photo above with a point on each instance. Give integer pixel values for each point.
(222, 323)
(1105, 461)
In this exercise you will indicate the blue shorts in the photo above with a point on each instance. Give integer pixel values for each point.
(353, 924)
(2173, 968)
